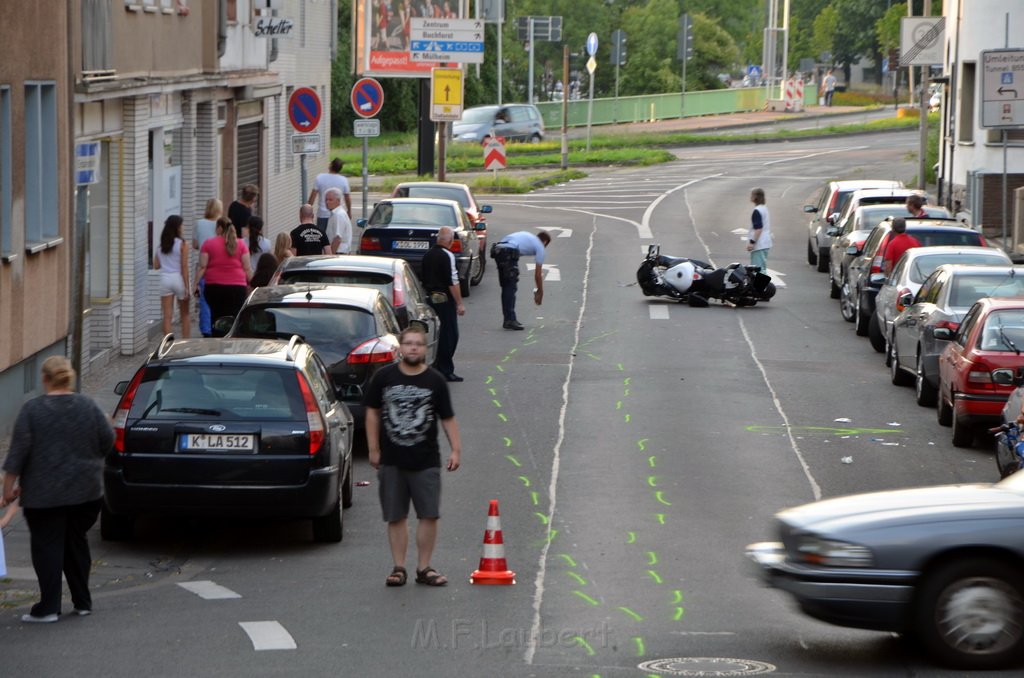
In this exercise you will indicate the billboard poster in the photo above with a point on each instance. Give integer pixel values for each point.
(382, 34)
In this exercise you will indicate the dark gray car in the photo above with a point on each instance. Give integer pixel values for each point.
(942, 302)
(943, 564)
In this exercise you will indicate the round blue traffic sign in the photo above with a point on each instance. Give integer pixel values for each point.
(591, 44)
(304, 109)
(367, 97)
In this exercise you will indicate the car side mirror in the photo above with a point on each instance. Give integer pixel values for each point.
(222, 325)
(121, 387)
(361, 223)
(832, 230)
(480, 226)
(852, 250)
(810, 209)
(906, 299)
(485, 209)
(421, 325)
(943, 333)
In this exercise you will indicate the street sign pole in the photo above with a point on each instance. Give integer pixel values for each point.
(565, 107)
(366, 172)
(922, 160)
(529, 96)
(501, 26)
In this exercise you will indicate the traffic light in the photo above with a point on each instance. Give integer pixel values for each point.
(619, 47)
(684, 39)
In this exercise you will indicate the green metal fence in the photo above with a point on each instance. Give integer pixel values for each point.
(651, 107)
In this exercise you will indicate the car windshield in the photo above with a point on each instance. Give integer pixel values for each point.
(924, 265)
(475, 116)
(873, 216)
(443, 192)
(219, 393)
(967, 289)
(1003, 331)
(378, 281)
(317, 324)
(412, 214)
(956, 237)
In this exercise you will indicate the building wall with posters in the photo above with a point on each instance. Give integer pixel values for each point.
(36, 198)
(971, 164)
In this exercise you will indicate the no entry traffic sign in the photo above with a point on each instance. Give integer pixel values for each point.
(304, 109)
(367, 97)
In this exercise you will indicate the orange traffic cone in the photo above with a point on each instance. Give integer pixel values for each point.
(493, 568)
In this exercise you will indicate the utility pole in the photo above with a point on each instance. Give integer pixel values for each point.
(922, 164)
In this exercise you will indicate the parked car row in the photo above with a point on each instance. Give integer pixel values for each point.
(262, 422)
(939, 565)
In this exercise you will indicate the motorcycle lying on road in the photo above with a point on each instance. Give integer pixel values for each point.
(696, 282)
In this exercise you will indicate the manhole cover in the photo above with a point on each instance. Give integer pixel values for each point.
(707, 666)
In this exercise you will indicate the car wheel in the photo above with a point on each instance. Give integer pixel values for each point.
(896, 373)
(925, 392)
(347, 489)
(464, 286)
(822, 260)
(846, 307)
(944, 411)
(963, 432)
(969, 614)
(475, 280)
(875, 334)
(535, 139)
(833, 291)
(861, 317)
(114, 527)
(329, 528)
(812, 258)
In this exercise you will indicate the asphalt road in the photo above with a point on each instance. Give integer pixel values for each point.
(635, 446)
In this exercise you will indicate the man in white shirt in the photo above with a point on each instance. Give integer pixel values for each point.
(339, 226)
(332, 179)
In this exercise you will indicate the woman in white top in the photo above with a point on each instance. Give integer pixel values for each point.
(172, 262)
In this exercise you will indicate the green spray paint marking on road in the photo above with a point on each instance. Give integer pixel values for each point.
(585, 597)
(822, 429)
(657, 495)
(631, 537)
(568, 559)
(622, 369)
(489, 379)
(600, 336)
(526, 481)
(642, 444)
(627, 418)
(677, 597)
(501, 415)
(497, 403)
(508, 441)
(678, 614)
(493, 391)
(506, 359)
(660, 518)
(543, 518)
(579, 580)
(639, 642)
(618, 405)
(592, 356)
(652, 461)
(652, 481)
(625, 392)
(652, 558)
(582, 642)
(632, 614)
(551, 535)
(513, 460)
(655, 576)
(535, 498)
(530, 342)
(512, 350)
(499, 368)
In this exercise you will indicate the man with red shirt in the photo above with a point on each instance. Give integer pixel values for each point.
(900, 242)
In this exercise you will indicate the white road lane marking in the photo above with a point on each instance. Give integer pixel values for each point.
(645, 230)
(815, 155)
(658, 311)
(268, 635)
(815, 488)
(207, 590)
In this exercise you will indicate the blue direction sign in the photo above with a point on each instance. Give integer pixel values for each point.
(591, 44)
(367, 97)
(446, 40)
(446, 46)
(304, 109)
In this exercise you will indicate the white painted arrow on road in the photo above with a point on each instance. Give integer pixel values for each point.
(562, 232)
(551, 272)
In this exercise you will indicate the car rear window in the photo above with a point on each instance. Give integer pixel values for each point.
(416, 214)
(218, 393)
(316, 323)
(924, 265)
(1003, 331)
(376, 280)
(441, 192)
(967, 289)
(946, 236)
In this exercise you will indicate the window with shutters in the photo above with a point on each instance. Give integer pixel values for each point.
(6, 247)
(41, 213)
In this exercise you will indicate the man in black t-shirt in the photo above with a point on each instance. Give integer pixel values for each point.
(307, 237)
(240, 211)
(403, 404)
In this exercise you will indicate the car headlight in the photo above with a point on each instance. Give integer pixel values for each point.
(825, 552)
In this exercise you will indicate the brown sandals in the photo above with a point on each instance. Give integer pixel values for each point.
(430, 577)
(397, 577)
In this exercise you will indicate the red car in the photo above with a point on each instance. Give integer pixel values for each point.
(977, 368)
